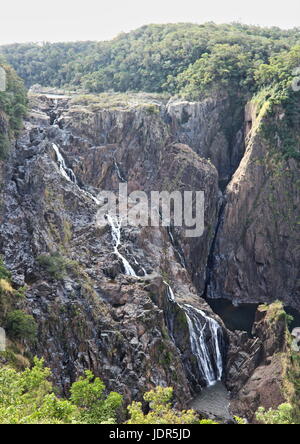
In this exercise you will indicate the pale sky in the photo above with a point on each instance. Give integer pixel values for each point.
(71, 20)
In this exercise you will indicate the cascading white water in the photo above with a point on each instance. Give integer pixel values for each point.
(119, 174)
(69, 174)
(65, 171)
(199, 345)
(176, 249)
(170, 293)
(193, 315)
(115, 225)
(210, 362)
(139, 265)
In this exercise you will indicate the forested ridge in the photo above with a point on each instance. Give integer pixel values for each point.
(154, 58)
(12, 107)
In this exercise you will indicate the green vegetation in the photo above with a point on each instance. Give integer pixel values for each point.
(151, 57)
(161, 411)
(193, 62)
(227, 68)
(18, 324)
(274, 313)
(289, 412)
(189, 60)
(55, 264)
(27, 398)
(88, 395)
(12, 107)
(282, 415)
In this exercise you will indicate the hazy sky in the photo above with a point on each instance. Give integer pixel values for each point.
(65, 20)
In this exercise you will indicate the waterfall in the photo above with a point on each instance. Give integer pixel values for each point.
(66, 172)
(139, 265)
(115, 226)
(208, 355)
(119, 174)
(211, 369)
(170, 293)
(114, 223)
(176, 249)
(69, 175)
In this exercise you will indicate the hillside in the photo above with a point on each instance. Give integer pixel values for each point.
(176, 108)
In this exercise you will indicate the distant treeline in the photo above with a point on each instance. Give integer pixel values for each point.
(175, 58)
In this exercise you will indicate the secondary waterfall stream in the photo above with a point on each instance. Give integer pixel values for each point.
(211, 364)
(66, 172)
(115, 226)
(114, 223)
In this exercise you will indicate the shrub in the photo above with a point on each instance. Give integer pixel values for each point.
(161, 410)
(21, 326)
(54, 264)
(88, 395)
(283, 415)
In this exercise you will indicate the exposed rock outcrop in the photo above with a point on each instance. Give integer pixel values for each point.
(258, 368)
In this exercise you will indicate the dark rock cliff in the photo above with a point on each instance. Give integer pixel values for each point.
(257, 256)
(91, 315)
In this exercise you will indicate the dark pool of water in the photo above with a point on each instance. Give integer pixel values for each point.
(213, 402)
(242, 317)
(239, 317)
(296, 316)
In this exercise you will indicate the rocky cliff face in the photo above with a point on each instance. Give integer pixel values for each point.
(256, 257)
(128, 329)
(89, 314)
(258, 368)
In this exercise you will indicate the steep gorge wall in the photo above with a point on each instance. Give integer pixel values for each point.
(92, 316)
(257, 255)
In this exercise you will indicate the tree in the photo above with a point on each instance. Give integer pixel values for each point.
(161, 410)
(226, 67)
(27, 398)
(13, 103)
(283, 415)
(88, 395)
(20, 326)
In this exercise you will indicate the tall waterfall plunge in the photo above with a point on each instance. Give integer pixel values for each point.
(206, 340)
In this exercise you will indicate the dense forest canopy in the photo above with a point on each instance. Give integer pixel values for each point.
(12, 107)
(154, 58)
